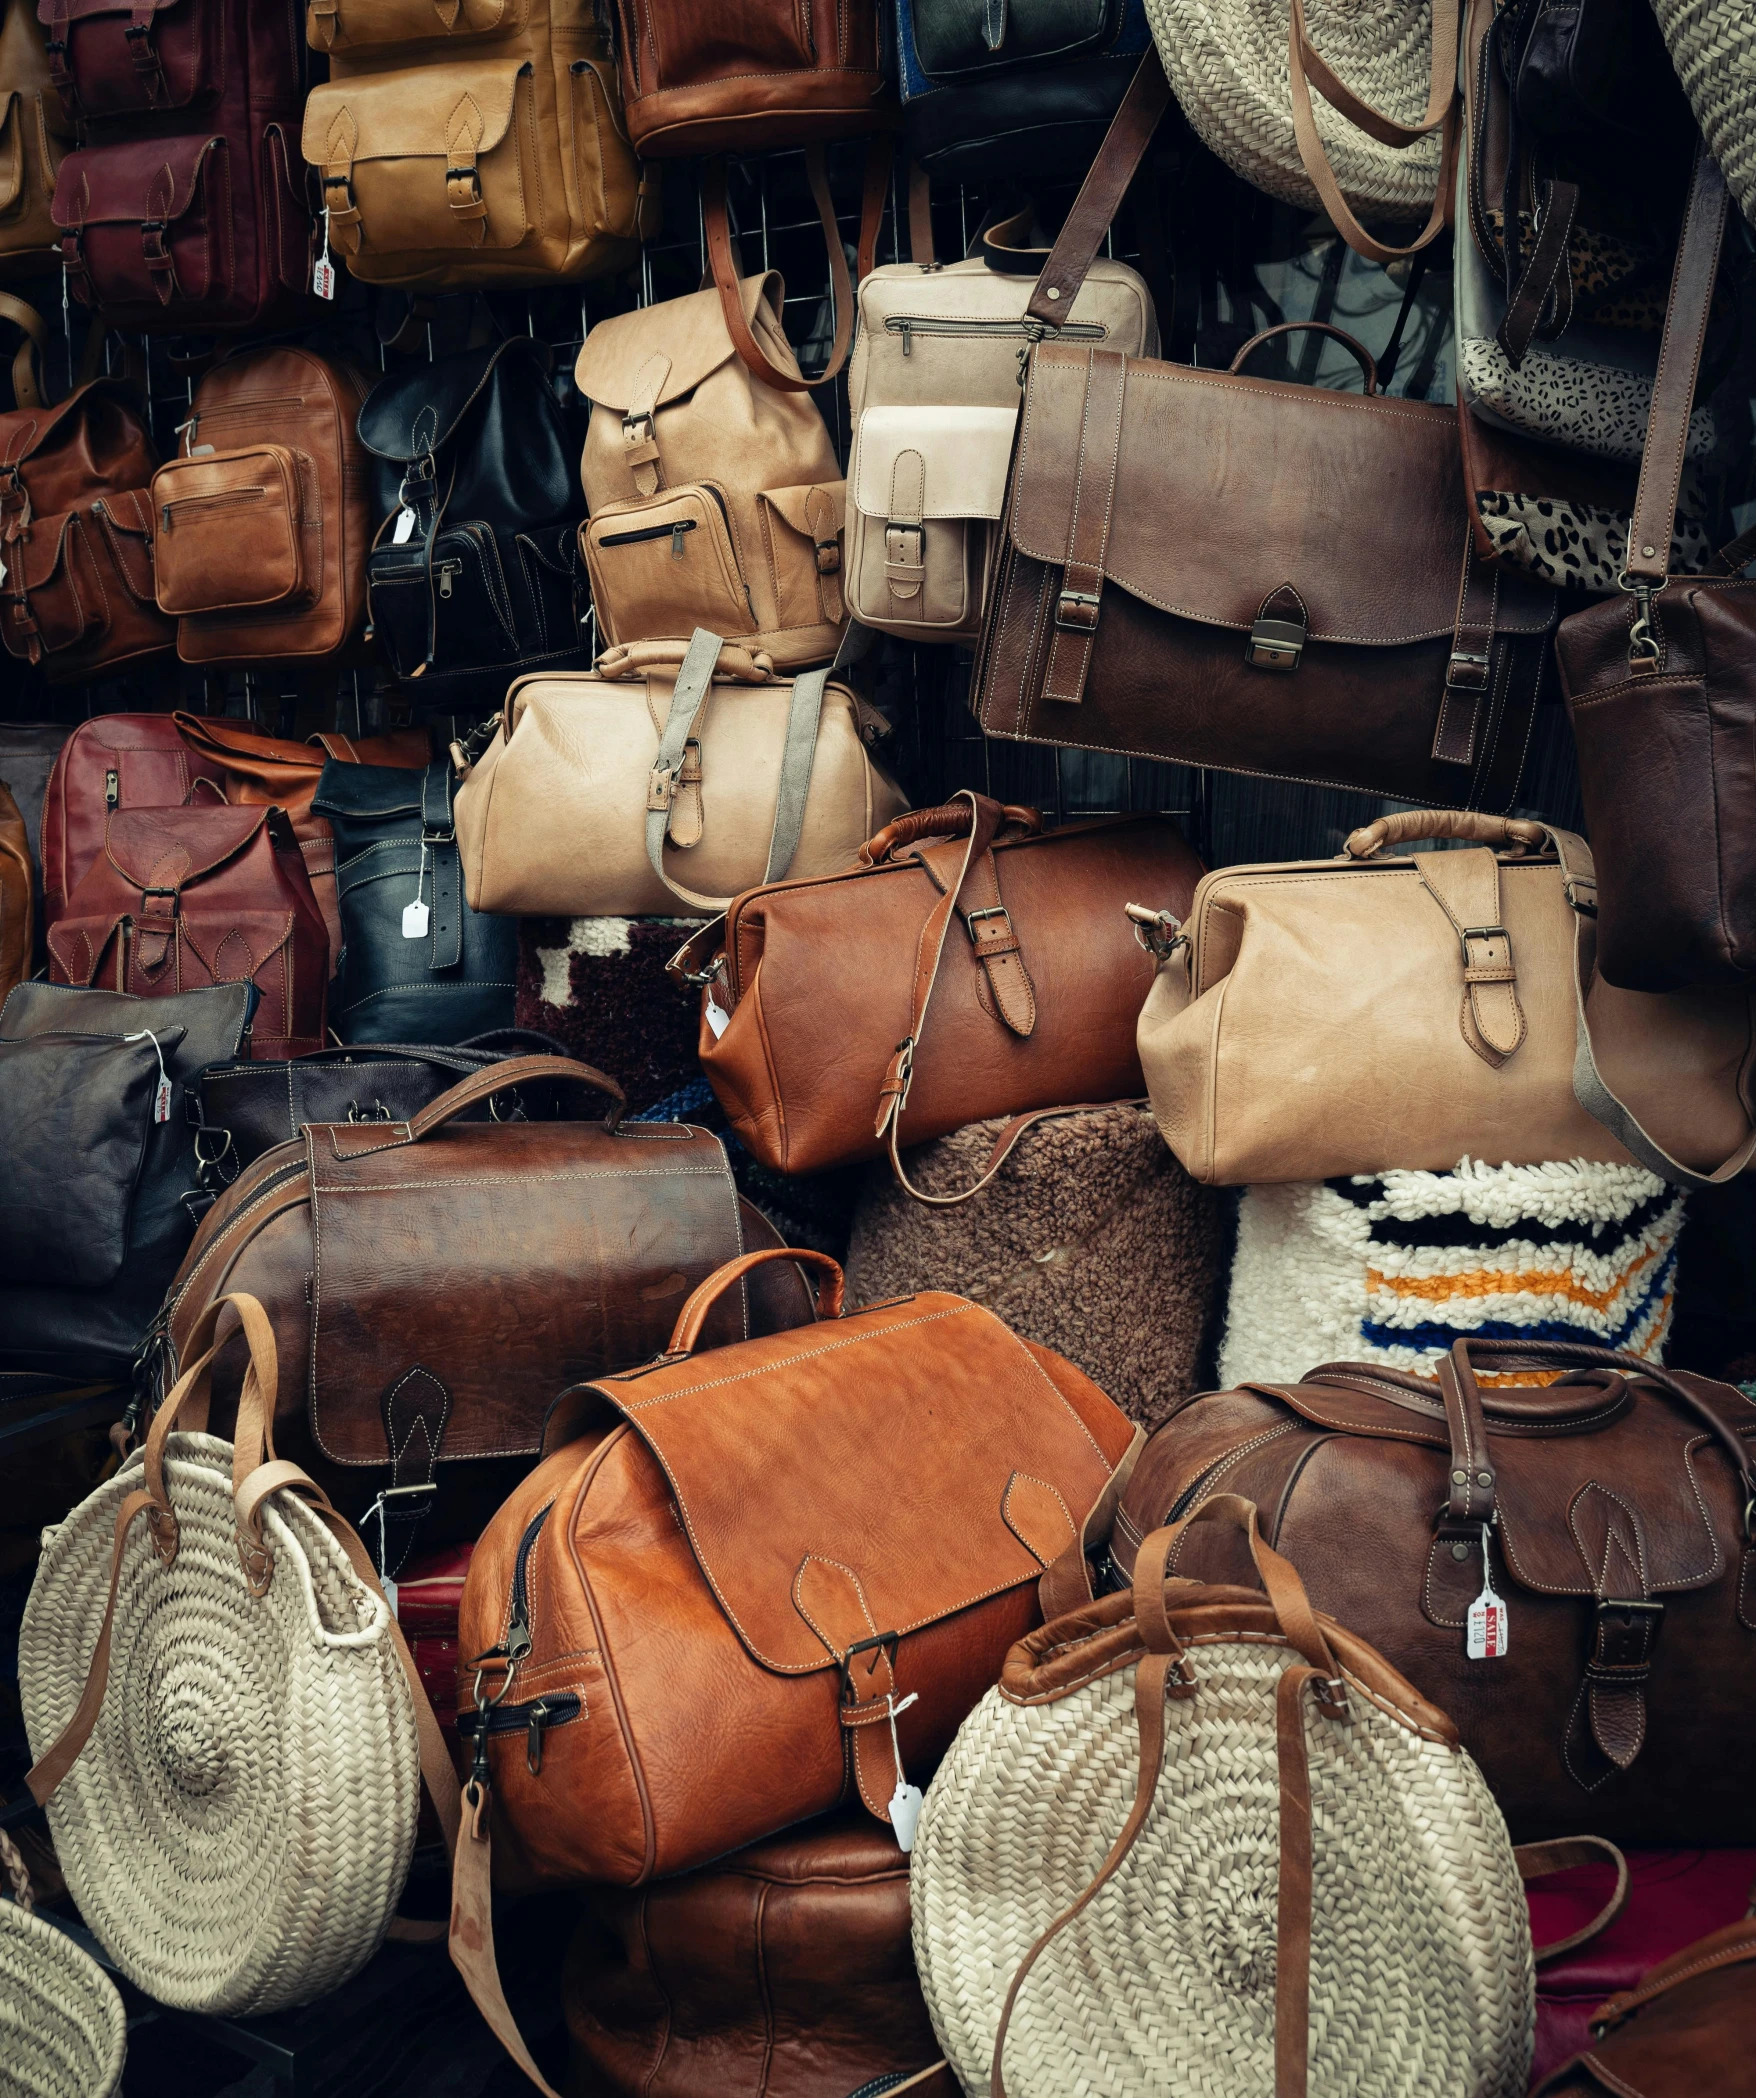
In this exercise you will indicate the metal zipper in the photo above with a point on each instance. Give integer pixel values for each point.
(556, 1708)
(445, 570)
(673, 532)
(518, 1616)
(909, 325)
(218, 500)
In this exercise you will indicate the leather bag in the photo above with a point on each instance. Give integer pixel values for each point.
(417, 963)
(261, 551)
(184, 897)
(783, 1971)
(715, 499)
(184, 206)
(473, 145)
(1161, 594)
(57, 1324)
(668, 774)
(34, 133)
(547, 1252)
(76, 530)
(17, 905)
(1370, 1012)
(28, 750)
(995, 976)
(1610, 1497)
(1010, 90)
(1686, 2032)
(933, 393)
(1661, 691)
(475, 575)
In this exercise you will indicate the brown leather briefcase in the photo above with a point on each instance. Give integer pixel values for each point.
(1246, 574)
(434, 1283)
(1612, 1500)
(848, 1014)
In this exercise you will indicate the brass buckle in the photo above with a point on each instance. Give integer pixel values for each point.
(1076, 611)
(1483, 932)
(993, 910)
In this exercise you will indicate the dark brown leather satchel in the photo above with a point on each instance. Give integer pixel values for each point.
(994, 972)
(181, 898)
(1688, 2030)
(1613, 1505)
(17, 913)
(434, 1283)
(1661, 687)
(783, 1971)
(1246, 574)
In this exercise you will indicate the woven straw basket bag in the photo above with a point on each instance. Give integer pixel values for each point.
(63, 2033)
(233, 1786)
(1341, 106)
(1218, 1847)
(1713, 47)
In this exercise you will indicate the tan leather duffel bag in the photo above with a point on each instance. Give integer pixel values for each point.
(847, 1015)
(597, 795)
(715, 499)
(1365, 1013)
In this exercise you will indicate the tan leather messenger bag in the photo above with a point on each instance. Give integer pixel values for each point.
(1382, 1010)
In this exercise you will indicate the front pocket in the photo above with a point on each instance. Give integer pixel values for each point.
(113, 59)
(927, 486)
(146, 222)
(801, 533)
(232, 532)
(693, 40)
(51, 598)
(465, 606)
(663, 565)
(423, 162)
(380, 25)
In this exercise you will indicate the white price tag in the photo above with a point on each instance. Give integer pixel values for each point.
(905, 1813)
(414, 920)
(2, 571)
(161, 1101)
(404, 528)
(1488, 1626)
(389, 1587)
(717, 1019)
(323, 272)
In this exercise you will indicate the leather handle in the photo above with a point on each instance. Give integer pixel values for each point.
(27, 368)
(1563, 1854)
(693, 1316)
(516, 1070)
(1367, 362)
(1280, 1581)
(951, 820)
(1512, 833)
(1729, 1947)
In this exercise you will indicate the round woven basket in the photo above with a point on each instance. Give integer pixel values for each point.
(1227, 64)
(1421, 1971)
(1713, 47)
(62, 2029)
(238, 1828)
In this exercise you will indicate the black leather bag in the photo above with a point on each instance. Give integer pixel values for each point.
(246, 1109)
(1009, 87)
(101, 1196)
(475, 575)
(417, 964)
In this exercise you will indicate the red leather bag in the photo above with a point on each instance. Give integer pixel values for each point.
(185, 897)
(186, 205)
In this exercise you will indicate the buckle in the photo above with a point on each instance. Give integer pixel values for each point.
(1076, 611)
(898, 549)
(154, 891)
(633, 425)
(828, 556)
(345, 183)
(885, 1644)
(1467, 671)
(471, 175)
(993, 910)
(1484, 932)
(1623, 1628)
(1275, 644)
(661, 788)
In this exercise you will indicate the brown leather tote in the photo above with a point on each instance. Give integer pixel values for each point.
(699, 1619)
(968, 965)
(783, 1971)
(1661, 688)
(1613, 1501)
(545, 1251)
(180, 898)
(263, 527)
(1236, 572)
(1688, 2030)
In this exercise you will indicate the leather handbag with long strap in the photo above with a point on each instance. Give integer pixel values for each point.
(707, 775)
(713, 1522)
(1597, 1505)
(1376, 1011)
(1243, 573)
(995, 975)
(1661, 690)
(546, 1250)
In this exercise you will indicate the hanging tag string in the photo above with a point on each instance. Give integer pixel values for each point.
(161, 1099)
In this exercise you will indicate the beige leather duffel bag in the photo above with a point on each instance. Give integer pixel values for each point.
(668, 774)
(715, 500)
(1356, 1015)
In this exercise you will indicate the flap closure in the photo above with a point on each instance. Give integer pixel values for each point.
(639, 361)
(229, 530)
(915, 463)
(792, 1471)
(369, 793)
(972, 37)
(53, 13)
(158, 178)
(423, 113)
(24, 433)
(125, 521)
(167, 848)
(419, 411)
(61, 603)
(814, 510)
(1229, 489)
(575, 1249)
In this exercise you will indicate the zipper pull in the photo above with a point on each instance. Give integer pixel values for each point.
(533, 1742)
(908, 339)
(678, 533)
(517, 1640)
(164, 517)
(112, 789)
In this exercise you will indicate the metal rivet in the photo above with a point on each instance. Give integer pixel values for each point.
(1055, 293)
(1460, 1478)
(1645, 550)
(1484, 1478)
(1460, 1551)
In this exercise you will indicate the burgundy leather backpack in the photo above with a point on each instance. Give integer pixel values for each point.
(182, 898)
(185, 203)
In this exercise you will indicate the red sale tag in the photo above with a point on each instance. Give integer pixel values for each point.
(1488, 1627)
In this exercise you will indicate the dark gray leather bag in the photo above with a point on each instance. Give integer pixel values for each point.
(83, 1271)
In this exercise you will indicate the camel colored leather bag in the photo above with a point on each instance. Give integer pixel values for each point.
(1365, 1013)
(474, 144)
(715, 500)
(35, 131)
(668, 773)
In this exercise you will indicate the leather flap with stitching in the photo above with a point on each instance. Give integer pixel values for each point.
(665, 351)
(409, 115)
(963, 455)
(159, 178)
